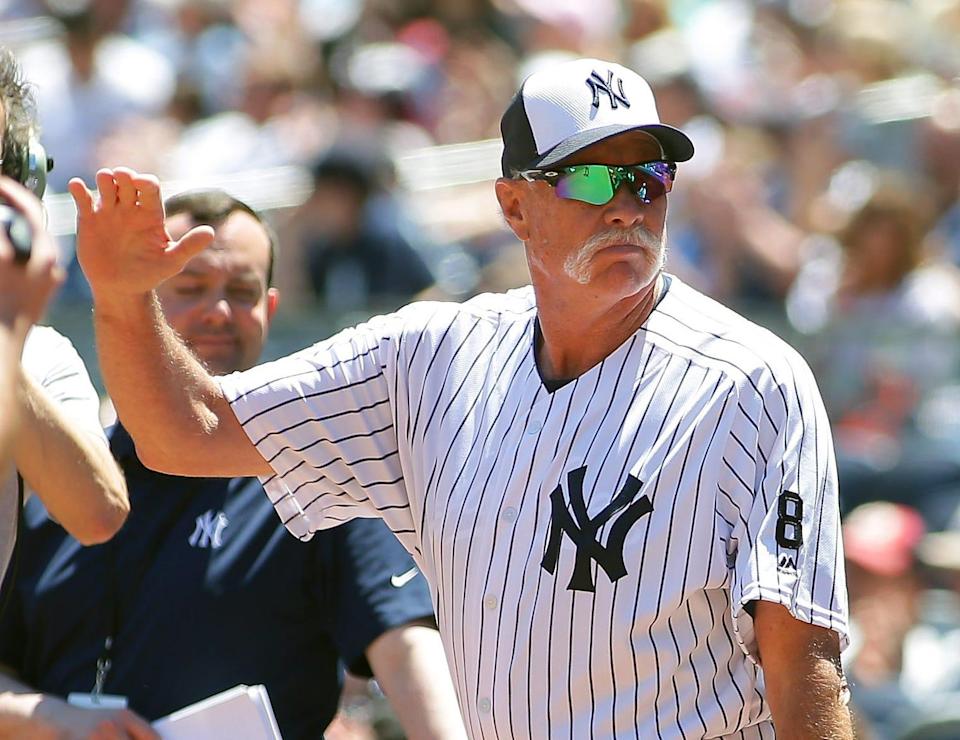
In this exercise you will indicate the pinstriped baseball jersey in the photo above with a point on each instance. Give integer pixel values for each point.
(590, 548)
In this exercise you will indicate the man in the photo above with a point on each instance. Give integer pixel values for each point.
(348, 236)
(622, 494)
(59, 450)
(203, 589)
(24, 292)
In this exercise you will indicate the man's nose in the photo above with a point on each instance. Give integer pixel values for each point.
(625, 209)
(218, 312)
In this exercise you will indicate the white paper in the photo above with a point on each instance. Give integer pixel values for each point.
(240, 713)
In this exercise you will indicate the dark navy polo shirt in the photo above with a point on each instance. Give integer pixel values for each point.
(211, 591)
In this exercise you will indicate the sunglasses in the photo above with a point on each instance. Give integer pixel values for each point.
(596, 184)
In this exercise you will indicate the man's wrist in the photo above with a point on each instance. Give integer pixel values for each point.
(122, 307)
(33, 713)
(16, 326)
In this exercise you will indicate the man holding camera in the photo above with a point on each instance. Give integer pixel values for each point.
(24, 291)
(58, 445)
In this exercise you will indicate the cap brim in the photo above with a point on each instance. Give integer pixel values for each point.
(676, 146)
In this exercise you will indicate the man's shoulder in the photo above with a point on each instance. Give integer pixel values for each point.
(716, 335)
(44, 347)
(513, 306)
(41, 337)
(519, 302)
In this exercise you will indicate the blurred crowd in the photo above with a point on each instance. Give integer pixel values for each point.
(823, 201)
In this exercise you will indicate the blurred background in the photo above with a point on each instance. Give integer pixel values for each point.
(823, 202)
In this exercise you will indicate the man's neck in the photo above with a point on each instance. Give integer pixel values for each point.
(574, 339)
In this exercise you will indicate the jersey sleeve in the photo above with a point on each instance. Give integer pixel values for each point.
(779, 490)
(324, 420)
(376, 587)
(51, 359)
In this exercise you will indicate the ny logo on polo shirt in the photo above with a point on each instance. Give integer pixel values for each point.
(598, 85)
(583, 530)
(208, 531)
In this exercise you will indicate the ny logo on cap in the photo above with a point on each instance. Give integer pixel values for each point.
(597, 85)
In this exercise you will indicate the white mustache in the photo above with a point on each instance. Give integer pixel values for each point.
(577, 264)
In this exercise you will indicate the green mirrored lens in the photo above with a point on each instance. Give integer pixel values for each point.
(596, 183)
(589, 183)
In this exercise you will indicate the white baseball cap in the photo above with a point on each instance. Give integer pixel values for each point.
(565, 108)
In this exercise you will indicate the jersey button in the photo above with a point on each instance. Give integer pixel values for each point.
(534, 426)
(490, 602)
(484, 705)
(510, 514)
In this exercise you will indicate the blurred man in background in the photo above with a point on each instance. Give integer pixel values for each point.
(264, 608)
(349, 236)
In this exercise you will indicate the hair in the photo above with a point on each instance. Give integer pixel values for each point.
(211, 207)
(19, 120)
(364, 169)
(901, 206)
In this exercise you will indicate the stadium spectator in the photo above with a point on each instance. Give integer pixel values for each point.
(348, 240)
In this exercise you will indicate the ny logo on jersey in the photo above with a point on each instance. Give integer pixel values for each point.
(583, 530)
(209, 530)
(597, 85)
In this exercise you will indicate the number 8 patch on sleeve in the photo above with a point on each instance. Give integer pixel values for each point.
(789, 520)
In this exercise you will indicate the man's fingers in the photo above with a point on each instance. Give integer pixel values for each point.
(57, 274)
(20, 199)
(193, 242)
(126, 191)
(148, 189)
(108, 189)
(81, 196)
(148, 185)
(137, 728)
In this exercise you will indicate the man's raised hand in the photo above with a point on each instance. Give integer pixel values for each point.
(122, 244)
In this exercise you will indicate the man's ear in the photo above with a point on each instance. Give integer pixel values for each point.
(512, 205)
(273, 299)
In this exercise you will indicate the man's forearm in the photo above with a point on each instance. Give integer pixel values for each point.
(803, 677)
(10, 350)
(23, 711)
(411, 667)
(820, 711)
(160, 391)
(163, 395)
(26, 714)
(72, 472)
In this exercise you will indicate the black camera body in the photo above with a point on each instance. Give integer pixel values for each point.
(33, 175)
(18, 232)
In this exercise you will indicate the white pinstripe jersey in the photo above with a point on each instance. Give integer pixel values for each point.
(590, 549)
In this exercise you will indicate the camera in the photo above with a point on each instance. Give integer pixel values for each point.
(18, 232)
(33, 169)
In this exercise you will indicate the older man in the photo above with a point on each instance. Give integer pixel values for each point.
(622, 494)
(263, 607)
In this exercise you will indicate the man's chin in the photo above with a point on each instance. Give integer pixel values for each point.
(218, 363)
(626, 276)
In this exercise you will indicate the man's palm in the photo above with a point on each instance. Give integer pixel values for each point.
(122, 244)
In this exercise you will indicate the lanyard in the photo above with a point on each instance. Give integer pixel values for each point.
(113, 615)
